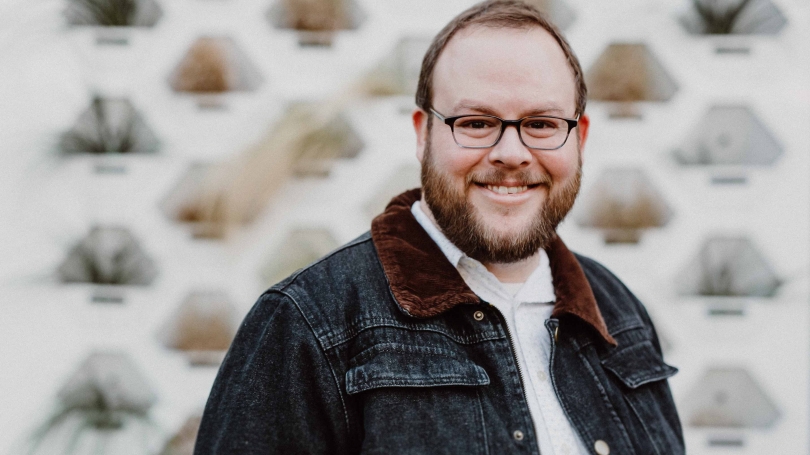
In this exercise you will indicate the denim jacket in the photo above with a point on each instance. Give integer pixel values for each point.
(381, 348)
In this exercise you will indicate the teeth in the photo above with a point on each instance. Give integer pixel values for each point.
(507, 189)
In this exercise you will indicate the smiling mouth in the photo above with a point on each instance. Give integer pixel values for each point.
(500, 189)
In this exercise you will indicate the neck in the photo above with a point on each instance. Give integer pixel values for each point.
(510, 272)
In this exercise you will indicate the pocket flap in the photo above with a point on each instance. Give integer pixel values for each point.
(638, 364)
(394, 365)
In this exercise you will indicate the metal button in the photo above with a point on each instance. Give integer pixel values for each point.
(518, 435)
(556, 330)
(478, 315)
(601, 447)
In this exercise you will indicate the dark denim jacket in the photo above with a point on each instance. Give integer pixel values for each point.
(358, 354)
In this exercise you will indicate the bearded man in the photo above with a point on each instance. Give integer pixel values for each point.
(461, 324)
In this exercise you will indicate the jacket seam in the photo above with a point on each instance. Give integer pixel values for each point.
(606, 400)
(483, 422)
(643, 423)
(353, 331)
(326, 358)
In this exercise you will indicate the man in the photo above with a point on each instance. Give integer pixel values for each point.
(461, 323)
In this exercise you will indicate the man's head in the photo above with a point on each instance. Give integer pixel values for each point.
(501, 58)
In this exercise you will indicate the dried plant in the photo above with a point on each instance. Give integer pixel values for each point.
(719, 17)
(109, 125)
(628, 73)
(622, 202)
(103, 409)
(204, 69)
(108, 255)
(317, 15)
(235, 192)
(206, 321)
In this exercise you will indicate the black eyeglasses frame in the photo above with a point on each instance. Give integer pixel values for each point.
(450, 121)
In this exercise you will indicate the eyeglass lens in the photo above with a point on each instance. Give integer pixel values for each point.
(536, 132)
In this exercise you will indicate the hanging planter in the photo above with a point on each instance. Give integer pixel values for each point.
(728, 139)
(113, 19)
(730, 22)
(728, 268)
(316, 21)
(627, 74)
(212, 67)
(728, 399)
(622, 203)
(109, 257)
(202, 328)
(103, 409)
(109, 127)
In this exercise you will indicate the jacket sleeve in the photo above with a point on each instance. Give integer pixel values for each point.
(275, 392)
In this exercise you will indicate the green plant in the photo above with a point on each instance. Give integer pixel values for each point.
(719, 17)
(107, 12)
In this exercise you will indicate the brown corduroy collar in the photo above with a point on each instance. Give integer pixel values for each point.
(426, 284)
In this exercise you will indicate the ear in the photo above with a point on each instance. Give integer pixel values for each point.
(419, 118)
(582, 133)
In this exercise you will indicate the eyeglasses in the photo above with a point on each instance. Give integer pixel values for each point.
(484, 131)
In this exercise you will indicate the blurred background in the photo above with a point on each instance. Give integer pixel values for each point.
(165, 161)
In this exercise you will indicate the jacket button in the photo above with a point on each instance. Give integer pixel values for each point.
(518, 435)
(478, 315)
(556, 332)
(601, 447)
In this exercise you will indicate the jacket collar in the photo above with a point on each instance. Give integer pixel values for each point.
(425, 284)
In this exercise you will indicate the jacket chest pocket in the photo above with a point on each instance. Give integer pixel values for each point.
(643, 372)
(418, 399)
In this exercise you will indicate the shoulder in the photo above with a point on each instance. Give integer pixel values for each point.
(620, 308)
(344, 287)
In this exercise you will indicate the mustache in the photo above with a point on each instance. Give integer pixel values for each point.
(497, 177)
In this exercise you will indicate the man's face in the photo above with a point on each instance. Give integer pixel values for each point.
(509, 73)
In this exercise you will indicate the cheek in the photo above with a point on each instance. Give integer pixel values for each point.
(561, 166)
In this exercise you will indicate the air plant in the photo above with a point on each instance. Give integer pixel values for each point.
(629, 73)
(316, 20)
(622, 203)
(109, 125)
(728, 398)
(319, 148)
(316, 15)
(204, 69)
(728, 267)
(108, 255)
(109, 13)
(299, 249)
(719, 17)
(215, 64)
(202, 327)
(730, 135)
(103, 409)
(182, 443)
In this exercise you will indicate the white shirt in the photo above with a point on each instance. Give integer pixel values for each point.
(525, 307)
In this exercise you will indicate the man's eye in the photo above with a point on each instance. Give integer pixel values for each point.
(539, 124)
(476, 124)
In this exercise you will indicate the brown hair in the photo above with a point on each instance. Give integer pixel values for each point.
(516, 14)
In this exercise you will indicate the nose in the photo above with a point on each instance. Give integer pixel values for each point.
(510, 151)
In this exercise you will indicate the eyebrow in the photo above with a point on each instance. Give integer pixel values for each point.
(483, 109)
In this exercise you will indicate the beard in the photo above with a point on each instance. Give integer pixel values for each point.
(463, 225)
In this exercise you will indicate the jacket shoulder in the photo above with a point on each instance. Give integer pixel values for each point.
(620, 308)
(344, 287)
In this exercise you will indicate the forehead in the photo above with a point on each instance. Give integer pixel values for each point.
(508, 70)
